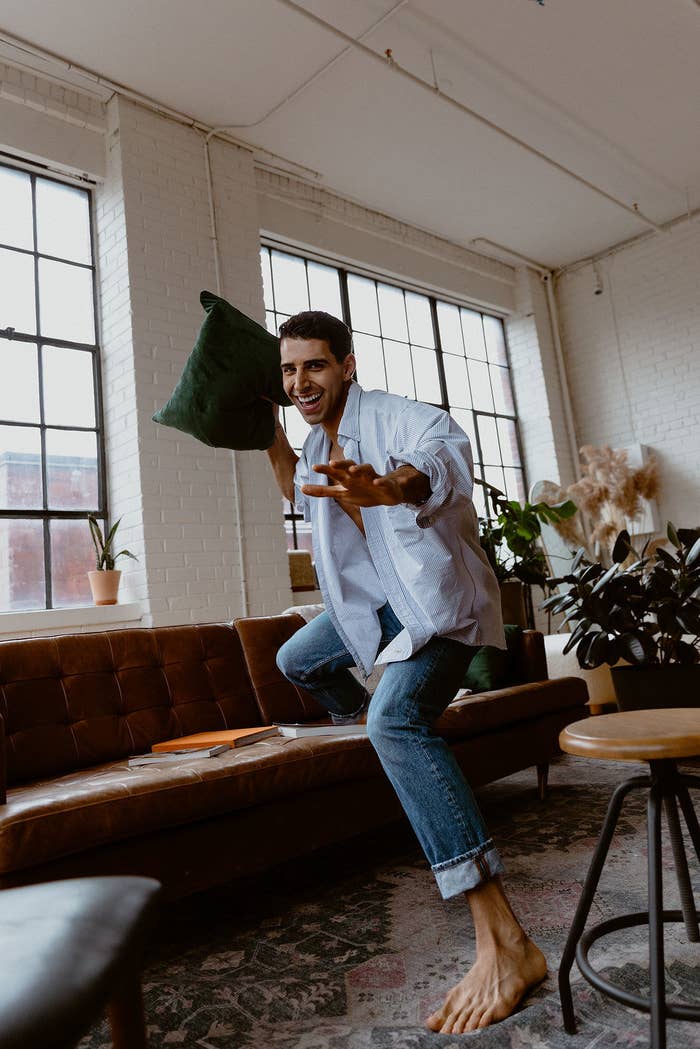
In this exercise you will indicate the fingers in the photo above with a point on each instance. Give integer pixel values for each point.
(334, 465)
(324, 491)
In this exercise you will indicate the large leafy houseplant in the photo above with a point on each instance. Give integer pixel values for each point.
(643, 609)
(510, 536)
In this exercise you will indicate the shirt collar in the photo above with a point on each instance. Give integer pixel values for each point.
(349, 427)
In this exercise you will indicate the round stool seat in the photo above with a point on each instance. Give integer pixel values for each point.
(636, 735)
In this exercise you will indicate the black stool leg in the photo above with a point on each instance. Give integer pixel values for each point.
(589, 888)
(656, 921)
(685, 890)
(688, 810)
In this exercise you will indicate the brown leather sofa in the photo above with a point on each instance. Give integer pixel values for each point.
(76, 707)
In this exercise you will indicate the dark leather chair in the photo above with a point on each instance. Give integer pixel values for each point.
(70, 948)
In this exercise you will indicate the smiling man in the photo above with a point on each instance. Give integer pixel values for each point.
(405, 583)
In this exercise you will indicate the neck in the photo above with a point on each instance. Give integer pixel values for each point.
(330, 426)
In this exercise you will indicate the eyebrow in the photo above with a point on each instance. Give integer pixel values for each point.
(314, 360)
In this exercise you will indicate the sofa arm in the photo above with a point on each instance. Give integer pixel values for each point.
(531, 660)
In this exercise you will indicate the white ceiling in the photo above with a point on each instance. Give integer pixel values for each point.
(610, 90)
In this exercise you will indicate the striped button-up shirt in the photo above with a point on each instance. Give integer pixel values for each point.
(425, 561)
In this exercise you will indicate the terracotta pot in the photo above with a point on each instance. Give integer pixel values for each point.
(104, 586)
(650, 687)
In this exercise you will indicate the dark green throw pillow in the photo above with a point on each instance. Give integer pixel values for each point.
(493, 667)
(234, 364)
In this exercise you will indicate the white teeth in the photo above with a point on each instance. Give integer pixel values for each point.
(310, 400)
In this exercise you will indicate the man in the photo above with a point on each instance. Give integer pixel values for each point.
(405, 583)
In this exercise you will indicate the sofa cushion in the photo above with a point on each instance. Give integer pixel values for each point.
(74, 813)
(472, 715)
(234, 364)
(84, 699)
(278, 699)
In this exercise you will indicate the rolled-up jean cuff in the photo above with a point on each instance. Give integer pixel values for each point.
(466, 872)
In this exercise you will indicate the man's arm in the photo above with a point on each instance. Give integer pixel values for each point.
(284, 460)
(361, 485)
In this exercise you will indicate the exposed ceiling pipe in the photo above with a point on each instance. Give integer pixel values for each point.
(547, 278)
(389, 62)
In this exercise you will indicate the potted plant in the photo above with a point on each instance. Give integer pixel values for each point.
(510, 541)
(104, 579)
(643, 609)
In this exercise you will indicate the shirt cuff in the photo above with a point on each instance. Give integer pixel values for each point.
(437, 473)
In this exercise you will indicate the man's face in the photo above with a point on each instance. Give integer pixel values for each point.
(314, 380)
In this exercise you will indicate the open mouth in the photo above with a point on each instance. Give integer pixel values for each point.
(308, 404)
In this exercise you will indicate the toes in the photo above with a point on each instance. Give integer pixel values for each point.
(486, 1019)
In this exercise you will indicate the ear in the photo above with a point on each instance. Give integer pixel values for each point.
(349, 366)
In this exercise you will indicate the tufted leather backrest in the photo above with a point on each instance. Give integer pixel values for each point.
(82, 699)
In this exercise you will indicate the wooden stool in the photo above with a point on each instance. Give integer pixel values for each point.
(660, 737)
(70, 948)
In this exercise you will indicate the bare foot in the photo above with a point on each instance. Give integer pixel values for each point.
(492, 988)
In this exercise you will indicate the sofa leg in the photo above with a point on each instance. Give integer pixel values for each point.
(126, 1015)
(542, 776)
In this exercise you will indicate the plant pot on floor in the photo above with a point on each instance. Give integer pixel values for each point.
(650, 687)
(105, 586)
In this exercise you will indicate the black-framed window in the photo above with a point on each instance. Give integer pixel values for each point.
(413, 344)
(51, 434)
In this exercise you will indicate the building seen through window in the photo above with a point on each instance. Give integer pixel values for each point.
(51, 446)
(411, 344)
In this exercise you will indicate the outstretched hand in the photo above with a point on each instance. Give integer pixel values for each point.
(355, 484)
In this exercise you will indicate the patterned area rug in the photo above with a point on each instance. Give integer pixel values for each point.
(354, 948)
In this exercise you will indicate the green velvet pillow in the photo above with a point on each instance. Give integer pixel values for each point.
(234, 364)
(493, 667)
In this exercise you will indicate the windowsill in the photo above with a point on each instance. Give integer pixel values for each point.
(77, 616)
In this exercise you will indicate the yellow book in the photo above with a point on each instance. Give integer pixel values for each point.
(234, 737)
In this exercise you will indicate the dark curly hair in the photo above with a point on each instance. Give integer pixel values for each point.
(315, 324)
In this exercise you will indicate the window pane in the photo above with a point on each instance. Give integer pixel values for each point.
(370, 362)
(479, 498)
(398, 369)
(289, 276)
(425, 368)
(65, 302)
(481, 387)
(19, 382)
(69, 391)
(270, 322)
(509, 442)
(363, 304)
(473, 334)
(494, 476)
(502, 393)
(296, 428)
(495, 340)
(488, 437)
(392, 312)
(267, 278)
(16, 209)
(420, 321)
(63, 221)
(457, 381)
(466, 421)
(71, 469)
(72, 557)
(20, 468)
(515, 484)
(450, 328)
(324, 289)
(17, 292)
(21, 565)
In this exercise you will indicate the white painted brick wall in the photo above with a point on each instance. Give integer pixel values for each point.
(633, 357)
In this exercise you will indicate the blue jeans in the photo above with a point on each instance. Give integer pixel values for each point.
(420, 765)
